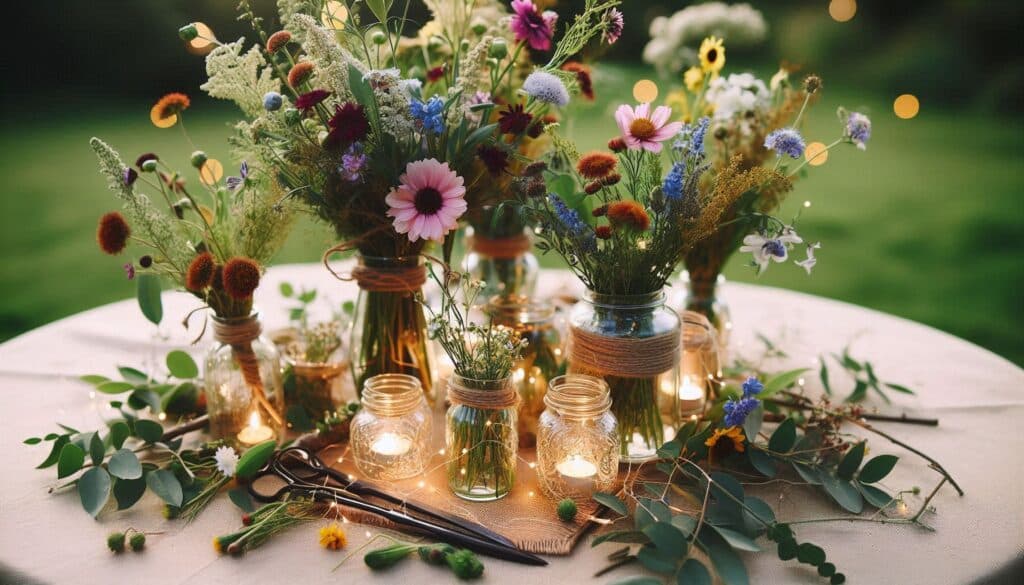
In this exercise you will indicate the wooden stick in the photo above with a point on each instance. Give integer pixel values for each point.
(903, 418)
(183, 429)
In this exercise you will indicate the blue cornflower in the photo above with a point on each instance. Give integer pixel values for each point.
(546, 87)
(786, 141)
(672, 186)
(272, 101)
(691, 138)
(572, 223)
(752, 387)
(736, 411)
(858, 129)
(430, 115)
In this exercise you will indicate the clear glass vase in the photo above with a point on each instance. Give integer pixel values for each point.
(389, 330)
(632, 342)
(243, 383)
(578, 439)
(702, 296)
(498, 254)
(390, 435)
(480, 438)
(541, 360)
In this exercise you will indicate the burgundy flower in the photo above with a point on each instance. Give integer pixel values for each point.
(514, 120)
(613, 26)
(308, 100)
(435, 73)
(348, 125)
(144, 157)
(534, 27)
(493, 157)
(583, 78)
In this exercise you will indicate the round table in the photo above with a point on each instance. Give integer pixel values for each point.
(978, 397)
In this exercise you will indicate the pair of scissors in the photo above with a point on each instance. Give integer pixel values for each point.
(304, 474)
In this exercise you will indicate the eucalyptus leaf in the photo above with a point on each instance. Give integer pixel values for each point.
(97, 450)
(727, 563)
(877, 468)
(72, 457)
(875, 496)
(119, 431)
(667, 538)
(149, 431)
(655, 560)
(286, 289)
(148, 294)
(112, 387)
(810, 554)
(164, 484)
(612, 502)
(627, 536)
(762, 462)
(693, 572)
(241, 498)
(781, 382)
(851, 461)
(94, 380)
(181, 365)
(808, 473)
(32, 441)
(752, 426)
(736, 539)
(94, 490)
(133, 375)
(843, 492)
(685, 523)
(55, 451)
(256, 457)
(141, 398)
(128, 491)
(124, 464)
(764, 514)
(784, 437)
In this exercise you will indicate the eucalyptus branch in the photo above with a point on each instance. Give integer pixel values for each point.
(932, 462)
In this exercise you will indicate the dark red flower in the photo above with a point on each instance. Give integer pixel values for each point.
(494, 158)
(310, 99)
(514, 120)
(200, 272)
(113, 233)
(348, 125)
(435, 73)
(592, 187)
(241, 277)
(603, 231)
(582, 78)
(144, 157)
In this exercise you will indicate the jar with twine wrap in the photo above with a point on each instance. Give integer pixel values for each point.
(632, 342)
(578, 439)
(480, 437)
(700, 369)
(389, 330)
(391, 433)
(242, 378)
(499, 254)
(703, 295)
(541, 359)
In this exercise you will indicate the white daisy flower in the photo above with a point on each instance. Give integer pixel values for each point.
(227, 460)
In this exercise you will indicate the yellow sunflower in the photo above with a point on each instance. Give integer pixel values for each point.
(332, 537)
(693, 78)
(725, 441)
(712, 55)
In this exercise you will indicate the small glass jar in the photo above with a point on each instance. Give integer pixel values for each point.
(699, 367)
(313, 382)
(704, 295)
(390, 435)
(480, 438)
(542, 358)
(578, 441)
(632, 342)
(498, 253)
(243, 383)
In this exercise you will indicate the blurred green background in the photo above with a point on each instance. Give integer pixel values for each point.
(927, 224)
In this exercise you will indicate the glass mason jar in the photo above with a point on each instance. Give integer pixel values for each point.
(389, 330)
(480, 438)
(390, 435)
(702, 296)
(498, 246)
(541, 360)
(700, 368)
(632, 342)
(243, 382)
(578, 439)
(313, 379)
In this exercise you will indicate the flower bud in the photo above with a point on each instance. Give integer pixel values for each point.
(812, 83)
(292, 116)
(137, 542)
(146, 261)
(115, 541)
(498, 50)
(149, 165)
(272, 101)
(188, 32)
(378, 37)
(198, 159)
(567, 510)
(479, 28)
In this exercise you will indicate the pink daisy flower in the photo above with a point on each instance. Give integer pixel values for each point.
(428, 202)
(531, 26)
(643, 129)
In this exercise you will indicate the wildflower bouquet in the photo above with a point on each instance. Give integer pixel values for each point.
(387, 138)
(754, 125)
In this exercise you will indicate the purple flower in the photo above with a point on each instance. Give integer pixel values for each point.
(352, 163)
(858, 129)
(613, 25)
(786, 141)
(529, 25)
(235, 183)
(752, 387)
(736, 411)
(129, 175)
(545, 87)
(129, 270)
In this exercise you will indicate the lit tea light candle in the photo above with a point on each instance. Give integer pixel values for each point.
(577, 473)
(391, 445)
(255, 432)
(691, 396)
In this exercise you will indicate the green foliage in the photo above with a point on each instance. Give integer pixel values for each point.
(148, 294)
(181, 365)
(863, 376)
(255, 458)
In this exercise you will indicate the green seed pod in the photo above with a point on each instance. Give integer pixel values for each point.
(378, 37)
(567, 510)
(198, 159)
(435, 554)
(498, 50)
(388, 556)
(115, 541)
(149, 166)
(137, 542)
(188, 32)
(465, 564)
(479, 28)
(292, 116)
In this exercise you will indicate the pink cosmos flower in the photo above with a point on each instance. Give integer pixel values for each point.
(642, 129)
(531, 26)
(428, 202)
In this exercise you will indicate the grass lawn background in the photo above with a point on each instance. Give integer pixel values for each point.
(927, 224)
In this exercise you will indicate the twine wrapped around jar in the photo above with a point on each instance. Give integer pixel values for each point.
(624, 357)
(501, 248)
(239, 334)
(490, 395)
(394, 278)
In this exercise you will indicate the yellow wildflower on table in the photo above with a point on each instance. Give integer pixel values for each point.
(332, 537)
(725, 441)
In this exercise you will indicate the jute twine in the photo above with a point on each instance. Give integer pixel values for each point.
(697, 330)
(239, 334)
(501, 248)
(378, 278)
(623, 357)
(502, 396)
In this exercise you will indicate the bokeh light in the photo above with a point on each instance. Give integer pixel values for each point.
(204, 42)
(645, 91)
(842, 10)
(211, 172)
(816, 154)
(906, 106)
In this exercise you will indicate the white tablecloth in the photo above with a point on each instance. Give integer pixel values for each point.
(978, 396)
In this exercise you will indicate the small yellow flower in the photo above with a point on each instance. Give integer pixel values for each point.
(712, 55)
(693, 78)
(217, 546)
(332, 537)
(725, 441)
(677, 100)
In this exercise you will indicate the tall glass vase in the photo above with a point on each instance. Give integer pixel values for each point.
(498, 254)
(632, 342)
(389, 329)
(703, 296)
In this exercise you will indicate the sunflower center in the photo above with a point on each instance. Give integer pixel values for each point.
(428, 201)
(642, 129)
(712, 55)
